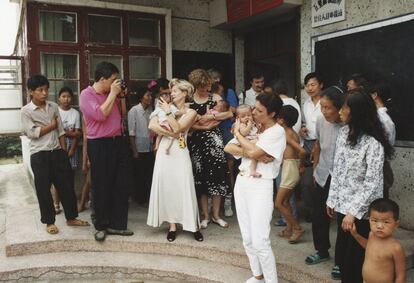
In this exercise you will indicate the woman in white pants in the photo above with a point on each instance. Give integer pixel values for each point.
(254, 196)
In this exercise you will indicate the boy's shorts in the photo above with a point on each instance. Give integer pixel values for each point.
(290, 173)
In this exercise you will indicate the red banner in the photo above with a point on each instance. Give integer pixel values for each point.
(241, 9)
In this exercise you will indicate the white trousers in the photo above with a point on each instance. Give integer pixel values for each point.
(254, 205)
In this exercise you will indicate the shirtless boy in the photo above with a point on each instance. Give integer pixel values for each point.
(384, 256)
(292, 165)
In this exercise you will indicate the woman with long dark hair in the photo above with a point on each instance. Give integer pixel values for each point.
(357, 178)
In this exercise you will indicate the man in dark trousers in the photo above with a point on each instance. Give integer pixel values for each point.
(48, 157)
(108, 151)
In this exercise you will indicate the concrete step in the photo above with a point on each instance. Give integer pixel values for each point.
(102, 266)
(25, 237)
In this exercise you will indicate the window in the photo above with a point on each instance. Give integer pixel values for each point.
(144, 32)
(67, 42)
(104, 29)
(57, 26)
(61, 70)
(144, 67)
(96, 59)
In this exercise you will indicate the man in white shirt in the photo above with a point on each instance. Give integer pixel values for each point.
(311, 111)
(249, 96)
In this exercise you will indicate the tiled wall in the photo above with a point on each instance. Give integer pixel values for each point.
(190, 25)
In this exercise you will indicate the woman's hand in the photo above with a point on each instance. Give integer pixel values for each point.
(165, 106)
(329, 211)
(347, 222)
(266, 159)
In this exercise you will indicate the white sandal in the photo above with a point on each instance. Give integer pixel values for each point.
(220, 222)
(204, 223)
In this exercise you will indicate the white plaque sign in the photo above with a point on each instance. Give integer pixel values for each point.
(327, 11)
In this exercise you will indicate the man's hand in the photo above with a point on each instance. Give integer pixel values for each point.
(116, 87)
(329, 211)
(347, 222)
(54, 123)
(135, 155)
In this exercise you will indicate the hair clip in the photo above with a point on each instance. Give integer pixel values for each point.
(151, 84)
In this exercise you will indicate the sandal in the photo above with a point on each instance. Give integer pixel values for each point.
(198, 236)
(336, 273)
(296, 234)
(52, 229)
(315, 259)
(204, 223)
(285, 233)
(77, 222)
(171, 236)
(220, 222)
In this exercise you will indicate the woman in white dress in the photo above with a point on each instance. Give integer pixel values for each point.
(173, 197)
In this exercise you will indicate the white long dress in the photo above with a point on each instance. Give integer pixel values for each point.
(173, 198)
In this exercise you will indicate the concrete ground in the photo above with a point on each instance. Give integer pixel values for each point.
(29, 254)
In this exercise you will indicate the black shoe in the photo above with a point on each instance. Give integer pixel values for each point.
(198, 236)
(125, 232)
(171, 236)
(100, 235)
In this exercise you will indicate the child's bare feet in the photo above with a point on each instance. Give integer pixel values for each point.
(255, 174)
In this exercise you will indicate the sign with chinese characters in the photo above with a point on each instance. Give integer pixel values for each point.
(327, 11)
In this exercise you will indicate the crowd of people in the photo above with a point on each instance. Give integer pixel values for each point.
(173, 147)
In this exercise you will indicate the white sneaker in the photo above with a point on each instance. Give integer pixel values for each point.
(228, 211)
(254, 280)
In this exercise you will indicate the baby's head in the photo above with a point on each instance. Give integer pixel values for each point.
(166, 97)
(287, 116)
(383, 217)
(244, 113)
(222, 106)
(217, 88)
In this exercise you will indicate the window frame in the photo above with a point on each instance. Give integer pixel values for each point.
(83, 47)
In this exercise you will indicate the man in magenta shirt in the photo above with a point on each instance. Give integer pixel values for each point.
(107, 152)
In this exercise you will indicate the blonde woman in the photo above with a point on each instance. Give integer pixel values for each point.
(207, 150)
(173, 198)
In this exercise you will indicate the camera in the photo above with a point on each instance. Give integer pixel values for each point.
(123, 85)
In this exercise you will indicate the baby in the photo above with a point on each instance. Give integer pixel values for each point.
(249, 130)
(162, 119)
(384, 256)
(221, 106)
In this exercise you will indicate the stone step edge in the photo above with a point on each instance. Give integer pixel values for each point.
(69, 272)
(286, 270)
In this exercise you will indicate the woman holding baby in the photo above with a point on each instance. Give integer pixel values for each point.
(173, 198)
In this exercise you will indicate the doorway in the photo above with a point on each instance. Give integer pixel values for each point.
(274, 51)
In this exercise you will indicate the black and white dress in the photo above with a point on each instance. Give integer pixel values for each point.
(207, 155)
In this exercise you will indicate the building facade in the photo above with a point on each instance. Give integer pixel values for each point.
(285, 39)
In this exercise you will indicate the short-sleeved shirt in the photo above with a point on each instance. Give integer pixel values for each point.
(273, 142)
(33, 118)
(310, 115)
(99, 126)
(326, 133)
(138, 121)
(250, 98)
(387, 123)
(70, 118)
